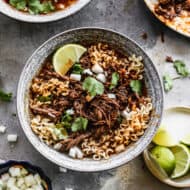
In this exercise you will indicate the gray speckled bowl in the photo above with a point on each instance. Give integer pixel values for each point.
(88, 36)
(18, 15)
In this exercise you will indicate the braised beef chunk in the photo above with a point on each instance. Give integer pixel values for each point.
(170, 9)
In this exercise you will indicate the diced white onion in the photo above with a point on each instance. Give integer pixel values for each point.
(5, 177)
(76, 77)
(63, 170)
(97, 69)
(125, 114)
(2, 129)
(12, 138)
(101, 77)
(75, 152)
(20, 182)
(70, 111)
(15, 171)
(11, 182)
(37, 179)
(57, 146)
(112, 96)
(88, 72)
(29, 180)
(24, 172)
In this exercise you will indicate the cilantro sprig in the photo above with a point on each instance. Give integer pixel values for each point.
(93, 87)
(136, 86)
(114, 80)
(181, 68)
(6, 97)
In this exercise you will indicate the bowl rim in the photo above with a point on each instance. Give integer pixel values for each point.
(107, 163)
(26, 164)
(13, 13)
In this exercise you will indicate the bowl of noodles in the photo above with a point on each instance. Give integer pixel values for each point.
(89, 99)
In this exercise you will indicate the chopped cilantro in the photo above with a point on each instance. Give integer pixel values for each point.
(181, 68)
(136, 86)
(77, 69)
(93, 87)
(114, 80)
(168, 82)
(79, 124)
(44, 98)
(5, 96)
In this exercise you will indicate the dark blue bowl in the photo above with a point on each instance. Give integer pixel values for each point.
(4, 167)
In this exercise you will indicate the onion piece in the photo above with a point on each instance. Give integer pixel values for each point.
(101, 77)
(2, 129)
(97, 68)
(111, 96)
(88, 72)
(76, 77)
(75, 152)
(12, 137)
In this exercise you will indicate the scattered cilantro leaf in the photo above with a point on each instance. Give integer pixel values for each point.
(44, 98)
(79, 124)
(5, 96)
(35, 7)
(77, 69)
(181, 68)
(93, 87)
(60, 133)
(66, 121)
(47, 7)
(168, 82)
(136, 86)
(18, 4)
(114, 80)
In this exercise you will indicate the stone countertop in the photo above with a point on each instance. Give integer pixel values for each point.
(17, 42)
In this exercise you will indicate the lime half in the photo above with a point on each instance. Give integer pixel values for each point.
(182, 157)
(164, 138)
(164, 157)
(66, 56)
(186, 139)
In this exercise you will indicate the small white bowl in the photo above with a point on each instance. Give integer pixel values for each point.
(6, 9)
(152, 165)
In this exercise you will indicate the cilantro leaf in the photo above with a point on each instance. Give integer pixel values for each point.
(168, 82)
(18, 4)
(77, 69)
(79, 124)
(181, 68)
(47, 7)
(36, 7)
(60, 133)
(5, 96)
(114, 80)
(92, 86)
(136, 86)
(44, 98)
(66, 120)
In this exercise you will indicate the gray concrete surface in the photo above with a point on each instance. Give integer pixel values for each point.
(131, 17)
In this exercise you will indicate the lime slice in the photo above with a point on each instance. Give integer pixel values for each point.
(182, 157)
(164, 157)
(186, 139)
(164, 138)
(66, 56)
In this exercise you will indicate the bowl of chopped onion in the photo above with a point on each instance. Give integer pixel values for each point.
(89, 99)
(21, 175)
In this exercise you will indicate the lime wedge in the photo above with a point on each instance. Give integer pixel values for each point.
(164, 138)
(186, 139)
(164, 157)
(66, 56)
(182, 157)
